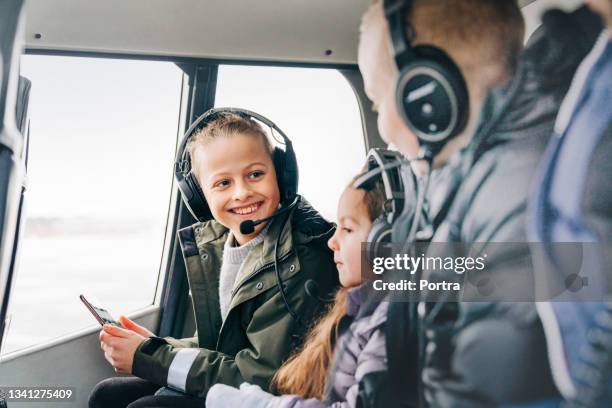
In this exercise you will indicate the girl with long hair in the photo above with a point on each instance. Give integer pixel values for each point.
(348, 337)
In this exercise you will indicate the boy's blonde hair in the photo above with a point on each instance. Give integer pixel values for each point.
(226, 125)
(480, 35)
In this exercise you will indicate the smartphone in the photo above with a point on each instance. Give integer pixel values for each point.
(101, 315)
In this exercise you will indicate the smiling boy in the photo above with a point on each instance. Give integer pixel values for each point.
(245, 327)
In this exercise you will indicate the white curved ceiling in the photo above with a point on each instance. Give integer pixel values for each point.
(279, 30)
(262, 30)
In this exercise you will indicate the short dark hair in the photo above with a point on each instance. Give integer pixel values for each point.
(475, 33)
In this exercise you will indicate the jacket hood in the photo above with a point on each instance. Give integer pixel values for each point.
(531, 101)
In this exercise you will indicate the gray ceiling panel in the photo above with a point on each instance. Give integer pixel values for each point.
(281, 30)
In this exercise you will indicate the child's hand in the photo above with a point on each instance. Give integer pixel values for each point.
(119, 346)
(130, 325)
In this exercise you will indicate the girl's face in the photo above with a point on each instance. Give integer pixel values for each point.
(353, 227)
(238, 179)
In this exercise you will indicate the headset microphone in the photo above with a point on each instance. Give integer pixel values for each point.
(247, 227)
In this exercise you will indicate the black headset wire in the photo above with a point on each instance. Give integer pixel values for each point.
(422, 188)
(279, 282)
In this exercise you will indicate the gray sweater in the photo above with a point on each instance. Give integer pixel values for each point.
(233, 258)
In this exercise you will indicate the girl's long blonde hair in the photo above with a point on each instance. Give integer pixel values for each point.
(305, 372)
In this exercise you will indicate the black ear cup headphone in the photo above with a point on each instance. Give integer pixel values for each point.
(384, 164)
(431, 93)
(285, 163)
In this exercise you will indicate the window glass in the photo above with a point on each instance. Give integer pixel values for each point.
(102, 141)
(317, 109)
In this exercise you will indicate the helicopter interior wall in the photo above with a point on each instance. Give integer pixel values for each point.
(12, 167)
(75, 362)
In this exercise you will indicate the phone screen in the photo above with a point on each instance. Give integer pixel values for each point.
(101, 315)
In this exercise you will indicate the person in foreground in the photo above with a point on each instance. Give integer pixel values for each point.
(484, 190)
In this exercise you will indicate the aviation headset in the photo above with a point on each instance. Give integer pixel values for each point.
(285, 164)
(431, 94)
(386, 164)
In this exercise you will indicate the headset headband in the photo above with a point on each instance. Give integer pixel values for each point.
(395, 12)
(214, 113)
(385, 164)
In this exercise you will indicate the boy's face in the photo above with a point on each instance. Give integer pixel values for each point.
(603, 8)
(353, 228)
(379, 75)
(238, 179)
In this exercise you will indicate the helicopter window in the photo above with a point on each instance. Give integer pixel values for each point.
(103, 134)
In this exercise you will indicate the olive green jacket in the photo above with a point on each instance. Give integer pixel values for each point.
(258, 333)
